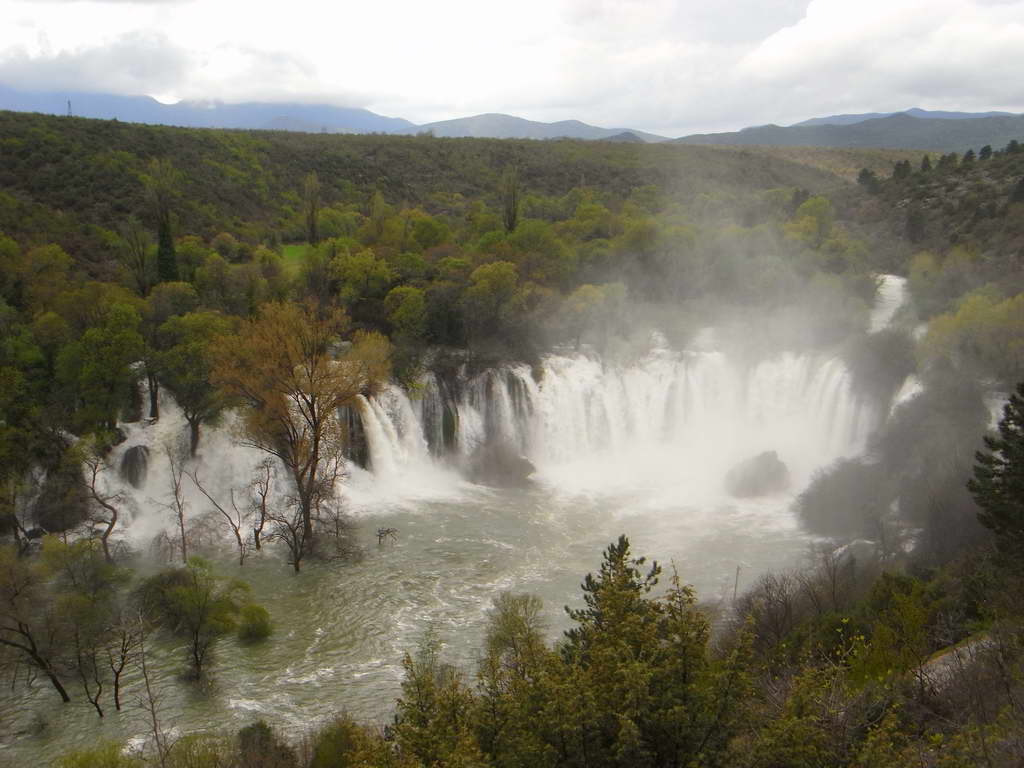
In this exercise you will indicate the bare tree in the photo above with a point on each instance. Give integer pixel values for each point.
(235, 519)
(177, 505)
(288, 526)
(150, 702)
(123, 646)
(88, 665)
(259, 494)
(335, 526)
(105, 505)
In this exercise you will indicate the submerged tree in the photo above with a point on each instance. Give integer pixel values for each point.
(105, 505)
(283, 369)
(193, 603)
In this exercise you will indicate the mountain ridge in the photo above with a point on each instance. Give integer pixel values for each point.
(897, 131)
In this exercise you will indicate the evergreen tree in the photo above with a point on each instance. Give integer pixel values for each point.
(162, 184)
(998, 482)
(510, 198)
(867, 179)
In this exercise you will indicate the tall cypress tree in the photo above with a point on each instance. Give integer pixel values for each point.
(161, 184)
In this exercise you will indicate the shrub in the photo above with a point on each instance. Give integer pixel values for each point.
(254, 623)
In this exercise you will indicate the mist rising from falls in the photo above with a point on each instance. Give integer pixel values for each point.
(660, 431)
(670, 420)
(670, 425)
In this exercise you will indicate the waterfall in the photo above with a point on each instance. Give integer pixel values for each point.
(672, 419)
(891, 293)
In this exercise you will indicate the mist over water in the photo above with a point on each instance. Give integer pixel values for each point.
(641, 449)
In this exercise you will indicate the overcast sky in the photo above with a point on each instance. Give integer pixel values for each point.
(668, 66)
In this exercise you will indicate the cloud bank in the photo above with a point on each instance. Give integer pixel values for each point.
(662, 65)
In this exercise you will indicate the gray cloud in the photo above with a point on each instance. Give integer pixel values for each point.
(139, 62)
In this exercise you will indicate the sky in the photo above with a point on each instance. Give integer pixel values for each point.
(671, 67)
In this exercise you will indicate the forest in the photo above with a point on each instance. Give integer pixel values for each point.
(272, 281)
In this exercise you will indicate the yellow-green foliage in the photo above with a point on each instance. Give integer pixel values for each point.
(984, 336)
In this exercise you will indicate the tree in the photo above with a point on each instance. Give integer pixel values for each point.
(185, 366)
(136, 256)
(511, 193)
(283, 371)
(311, 206)
(926, 164)
(162, 184)
(98, 368)
(105, 506)
(235, 520)
(177, 504)
(85, 589)
(868, 179)
(29, 622)
(998, 482)
(194, 604)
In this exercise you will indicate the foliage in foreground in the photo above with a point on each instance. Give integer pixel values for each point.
(834, 665)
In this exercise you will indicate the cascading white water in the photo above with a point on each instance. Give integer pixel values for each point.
(891, 295)
(668, 418)
(676, 418)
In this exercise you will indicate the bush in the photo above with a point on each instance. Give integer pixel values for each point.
(260, 747)
(845, 500)
(344, 742)
(254, 623)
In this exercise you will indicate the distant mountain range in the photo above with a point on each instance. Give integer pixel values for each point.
(497, 126)
(953, 133)
(912, 129)
(913, 112)
(313, 118)
(308, 118)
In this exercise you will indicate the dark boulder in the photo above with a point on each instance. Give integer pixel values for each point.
(757, 476)
(501, 465)
(134, 465)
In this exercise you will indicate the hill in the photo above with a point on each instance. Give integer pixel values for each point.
(498, 126)
(71, 178)
(913, 112)
(845, 162)
(196, 114)
(900, 131)
(973, 205)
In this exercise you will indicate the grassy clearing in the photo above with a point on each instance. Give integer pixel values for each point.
(294, 255)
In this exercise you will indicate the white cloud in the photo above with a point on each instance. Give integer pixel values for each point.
(672, 66)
